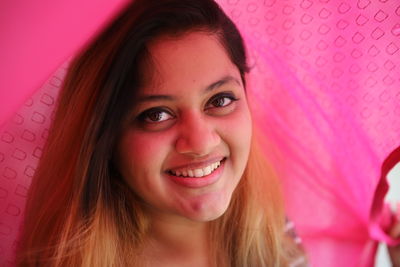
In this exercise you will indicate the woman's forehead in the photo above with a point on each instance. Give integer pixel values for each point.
(196, 59)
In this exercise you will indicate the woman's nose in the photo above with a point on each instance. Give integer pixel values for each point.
(197, 135)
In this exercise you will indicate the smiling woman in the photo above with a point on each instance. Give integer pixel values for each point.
(152, 158)
(195, 118)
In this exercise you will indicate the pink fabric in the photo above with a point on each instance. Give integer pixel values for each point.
(37, 36)
(325, 89)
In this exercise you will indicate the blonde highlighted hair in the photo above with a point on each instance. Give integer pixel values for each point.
(80, 212)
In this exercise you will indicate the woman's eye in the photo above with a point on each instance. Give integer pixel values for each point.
(155, 115)
(220, 101)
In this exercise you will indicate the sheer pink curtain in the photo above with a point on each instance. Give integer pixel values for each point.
(325, 89)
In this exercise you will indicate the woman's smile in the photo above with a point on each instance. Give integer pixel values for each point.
(197, 172)
(197, 169)
(196, 176)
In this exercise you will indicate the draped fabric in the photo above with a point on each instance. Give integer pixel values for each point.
(324, 89)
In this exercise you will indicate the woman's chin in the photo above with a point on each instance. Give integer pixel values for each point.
(207, 217)
(202, 211)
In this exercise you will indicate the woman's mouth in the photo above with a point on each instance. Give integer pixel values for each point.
(198, 177)
(198, 172)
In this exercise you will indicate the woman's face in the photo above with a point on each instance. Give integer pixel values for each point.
(188, 141)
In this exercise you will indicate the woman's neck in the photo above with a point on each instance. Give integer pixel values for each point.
(176, 241)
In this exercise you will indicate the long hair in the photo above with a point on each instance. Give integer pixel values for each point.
(79, 211)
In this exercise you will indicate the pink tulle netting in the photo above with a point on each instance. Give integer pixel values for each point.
(325, 90)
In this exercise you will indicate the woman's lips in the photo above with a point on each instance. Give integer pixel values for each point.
(199, 171)
(197, 182)
(197, 164)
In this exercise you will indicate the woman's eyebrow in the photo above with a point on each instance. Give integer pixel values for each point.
(151, 98)
(221, 82)
(225, 80)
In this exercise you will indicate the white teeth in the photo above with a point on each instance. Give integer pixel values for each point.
(197, 172)
(207, 170)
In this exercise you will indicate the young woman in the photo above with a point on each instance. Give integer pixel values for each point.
(152, 159)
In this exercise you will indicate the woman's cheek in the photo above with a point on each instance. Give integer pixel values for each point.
(237, 126)
(147, 148)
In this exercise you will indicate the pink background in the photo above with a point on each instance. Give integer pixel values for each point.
(325, 89)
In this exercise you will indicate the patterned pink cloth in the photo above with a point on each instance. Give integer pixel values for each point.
(325, 89)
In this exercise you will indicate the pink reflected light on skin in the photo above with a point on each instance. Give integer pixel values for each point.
(191, 114)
